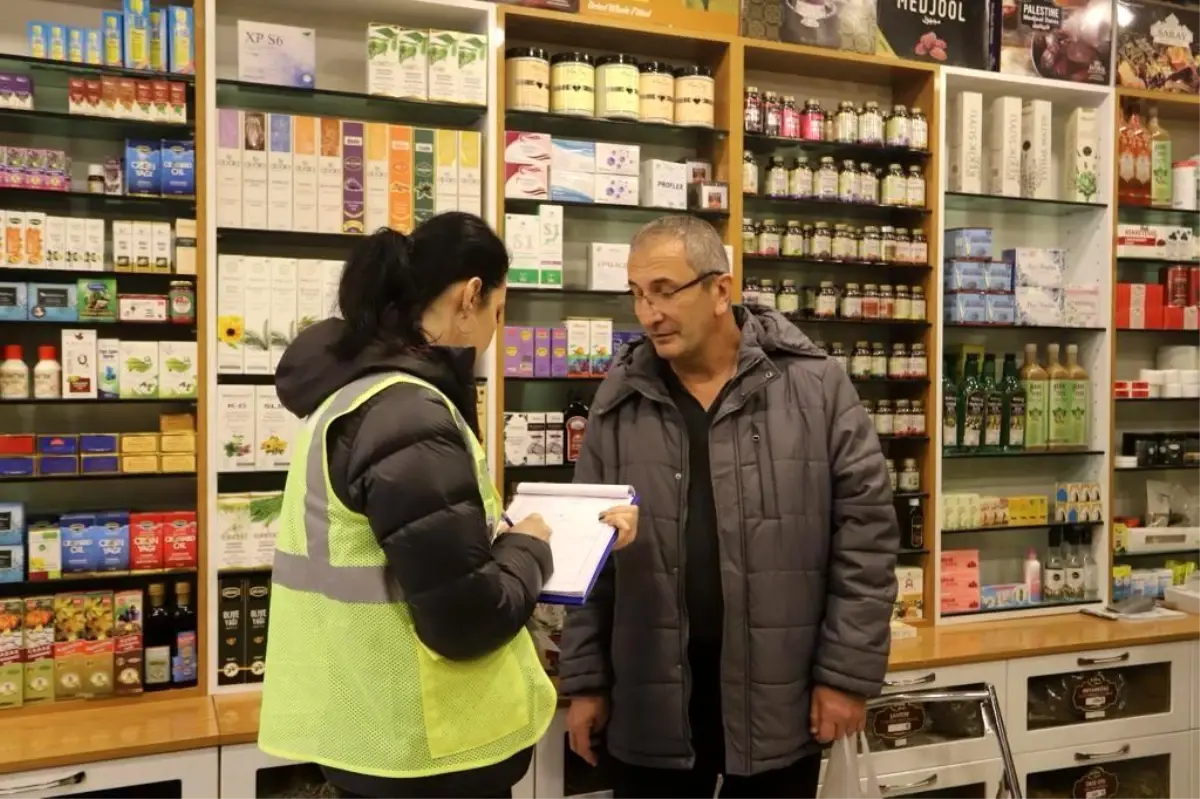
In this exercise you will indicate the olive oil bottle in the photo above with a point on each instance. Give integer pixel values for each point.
(1080, 395)
(1036, 384)
(1062, 400)
(951, 427)
(1013, 420)
(971, 403)
(993, 406)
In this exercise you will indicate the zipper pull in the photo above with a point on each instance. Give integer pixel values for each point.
(720, 784)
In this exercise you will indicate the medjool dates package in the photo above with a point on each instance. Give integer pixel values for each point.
(1158, 46)
(1058, 39)
(954, 32)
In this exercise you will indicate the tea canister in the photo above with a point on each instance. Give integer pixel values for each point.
(656, 92)
(749, 237)
(695, 91)
(918, 130)
(573, 84)
(789, 299)
(528, 70)
(617, 84)
(181, 301)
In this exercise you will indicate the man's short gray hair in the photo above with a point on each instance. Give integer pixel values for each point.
(702, 244)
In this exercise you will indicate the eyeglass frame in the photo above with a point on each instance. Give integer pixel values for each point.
(667, 296)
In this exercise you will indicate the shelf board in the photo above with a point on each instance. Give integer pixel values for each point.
(251, 481)
(521, 206)
(164, 331)
(1158, 215)
(1192, 334)
(1157, 400)
(1022, 328)
(40, 585)
(878, 155)
(1030, 606)
(70, 203)
(593, 378)
(1157, 469)
(811, 205)
(1016, 528)
(837, 320)
(620, 130)
(245, 380)
(91, 478)
(920, 551)
(1049, 453)
(50, 65)
(818, 263)
(41, 274)
(903, 495)
(890, 381)
(353, 105)
(1171, 105)
(992, 203)
(1159, 554)
(1151, 262)
(82, 126)
(887, 438)
(537, 291)
(545, 27)
(250, 241)
(235, 570)
(73, 401)
(784, 58)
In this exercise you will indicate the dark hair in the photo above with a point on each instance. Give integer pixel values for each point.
(390, 279)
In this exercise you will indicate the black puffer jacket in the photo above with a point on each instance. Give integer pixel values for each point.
(401, 461)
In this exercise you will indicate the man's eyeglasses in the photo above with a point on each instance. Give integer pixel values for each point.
(664, 297)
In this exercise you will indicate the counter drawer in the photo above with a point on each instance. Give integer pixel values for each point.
(1156, 766)
(979, 780)
(1096, 696)
(189, 775)
(1194, 747)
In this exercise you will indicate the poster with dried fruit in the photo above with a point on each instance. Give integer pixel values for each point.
(1158, 46)
(1060, 39)
(840, 24)
(955, 32)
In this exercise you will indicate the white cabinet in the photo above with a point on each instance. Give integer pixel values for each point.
(194, 771)
(1195, 690)
(908, 737)
(240, 766)
(1097, 696)
(1194, 747)
(559, 772)
(1159, 765)
(981, 779)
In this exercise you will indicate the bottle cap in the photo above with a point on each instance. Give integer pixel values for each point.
(156, 589)
(12, 352)
(46, 352)
(95, 170)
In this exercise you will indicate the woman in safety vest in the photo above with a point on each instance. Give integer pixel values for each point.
(399, 656)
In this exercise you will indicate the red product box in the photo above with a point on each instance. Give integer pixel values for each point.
(77, 95)
(162, 100)
(179, 539)
(1173, 317)
(1175, 285)
(1140, 306)
(93, 93)
(145, 541)
(110, 94)
(143, 107)
(1191, 317)
(1194, 285)
(16, 445)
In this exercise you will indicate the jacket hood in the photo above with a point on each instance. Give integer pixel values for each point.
(310, 371)
(765, 332)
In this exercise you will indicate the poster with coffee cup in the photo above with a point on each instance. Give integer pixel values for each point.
(838, 24)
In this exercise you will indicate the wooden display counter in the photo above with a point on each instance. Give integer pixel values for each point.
(237, 717)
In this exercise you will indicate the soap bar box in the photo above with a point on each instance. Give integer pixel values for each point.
(1036, 134)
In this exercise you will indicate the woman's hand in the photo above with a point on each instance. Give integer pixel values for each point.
(532, 525)
(625, 519)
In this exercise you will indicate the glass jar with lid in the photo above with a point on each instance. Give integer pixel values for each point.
(749, 173)
(528, 71)
(752, 109)
(789, 299)
(800, 178)
(750, 290)
(695, 90)
(891, 467)
(903, 246)
(812, 121)
(887, 244)
(869, 407)
(898, 363)
(825, 180)
(870, 301)
(903, 303)
(656, 95)
(827, 301)
(837, 354)
(909, 479)
(915, 187)
(895, 187)
(852, 302)
(868, 184)
(844, 246)
(808, 301)
(918, 363)
(827, 128)
(845, 124)
(896, 127)
(772, 114)
(573, 84)
(789, 119)
(766, 292)
(885, 418)
(793, 240)
(918, 302)
(869, 245)
(822, 242)
(749, 237)
(617, 87)
(879, 361)
(870, 124)
(887, 302)
(848, 182)
(903, 423)
(768, 237)
(777, 177)
(860, 361)
(916, 419)
(919, 251)
(918, 130)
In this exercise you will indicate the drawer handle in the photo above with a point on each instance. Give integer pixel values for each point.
(62, 782)
(1085, 756)
(922, 680)
(1121, 658)
(912, 786)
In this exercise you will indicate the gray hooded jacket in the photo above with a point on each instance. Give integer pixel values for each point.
(808, 542)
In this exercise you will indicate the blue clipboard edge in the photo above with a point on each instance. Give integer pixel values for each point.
(574, 599)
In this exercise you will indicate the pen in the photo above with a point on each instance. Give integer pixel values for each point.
(504, 518)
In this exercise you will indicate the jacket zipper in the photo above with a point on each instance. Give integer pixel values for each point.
(681, 588)
(737, 454)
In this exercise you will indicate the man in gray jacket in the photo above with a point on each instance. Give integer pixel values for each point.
(750, 619)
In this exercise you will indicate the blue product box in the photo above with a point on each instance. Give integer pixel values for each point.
(181, 37)
(158, 40)
(56, 38)
(966, 307)
(12, 522)
(16, 466)
(12, 563)
(51, 465)
(98, 443)
(14, 302)
(93, 47)
(999, 277)
(178, 168)
(965, 276)
(1001, 309)
(112, 35)
(99, 464)
(136, 44)
(58, 445)
(75, 45)
(968, 242)
(80, 542)
(39, 39)
(52, 302)
(143, 167)
(113, 529)
(572, 155)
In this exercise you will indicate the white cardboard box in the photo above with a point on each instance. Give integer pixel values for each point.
(523, 235)
(331, 279)
(375, 184)
(397, 61)
(56, 242)
(76, 241)
(78, 364)
(305, 167)
(310, 293)
(231, 313)
(279, 173)
(256, 354)
(1081, 156)
(472, 68)
(160, 247)
(283, 306)
(143, 246)
(1004, 126)
(443, 66)
(470, 167)
(664, 184)
(616, 190)
(229, 167)
(177, 363)
(965, 132)
(139, 369)
(329, 178)
(1036, 134)
(254, 170)
(608, 266)
(235, 428)
(274, 431)
(282, 55)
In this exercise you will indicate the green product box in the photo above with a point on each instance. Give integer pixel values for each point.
(96, 298)
(424, 161)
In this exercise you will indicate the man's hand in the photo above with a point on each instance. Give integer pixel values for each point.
(834, 714)
(625, 519)
(586, 717)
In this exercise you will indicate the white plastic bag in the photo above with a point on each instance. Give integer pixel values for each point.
(847, 768)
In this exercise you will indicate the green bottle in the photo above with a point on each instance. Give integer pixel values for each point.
(951, 427)
(1036, 383)
(972, 401)
(1012, 425)
(993, 406)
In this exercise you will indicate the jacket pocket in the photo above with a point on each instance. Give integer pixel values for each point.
(469, 704)
(765, 467)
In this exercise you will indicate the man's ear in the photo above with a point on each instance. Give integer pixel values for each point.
(724, 289)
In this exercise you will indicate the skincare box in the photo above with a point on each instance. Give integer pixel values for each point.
(1004, 125)
(78, 364)
(1081, 157)
(607, 267)
(255, 171)
(664, 184)
(277, 54)
(235, 428)
(279, 172)
(965, 131)
(1036, 135)
(397, 61)
(305, 169)
(229, 167)
(572, 155)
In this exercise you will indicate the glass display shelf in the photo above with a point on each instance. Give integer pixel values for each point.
(134, 331)
(1158, 468)
(834, 209)
(618, 130)
(1046, 453)
(840, 320)
(127, 282)
(1023, 328)
(1029, 606)
(875, 154)
(1003, 204)
(83, 127)
(91, 478)
(603, 210)
(72, 401)
(350, 105)
(10, 62)
(785, 261)
(1010, 528)
(1157, 400)
(73, 203)
(1158, 215)
(92, 581)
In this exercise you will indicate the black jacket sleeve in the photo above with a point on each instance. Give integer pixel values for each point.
(401, 461)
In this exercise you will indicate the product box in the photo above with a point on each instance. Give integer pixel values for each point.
(1004, 158)
(129, 617)
(136, 45)
(329, 177)
(78, 352)
(158, 40)
(1036, 133)
(579, 347)
(178, 362)
(353, 177)
(112, 529)
(937, 33)
(80, 538)
(231, 313)
(617, 159)
(1082, 305)
(284, 284)
(965, 132)
(93, 253)
(178, 168)
(555, 439)
(39, 635)
(445, 191)
(305, 169)
(965, 307)
(471, 83)
(541, 352)
(601, 350)
(12, 516)
(12, 653)
(1043, 267)
(400, 178)
(44, 546)
(97, 299)
(397, 61)
(516, 438)
(179, 539)
(530, 182)
(616, 190)
(607, 267)
(1081, 156)
(282, 55)
(375, 172)
(1000, 309)
(12, 563)
(233, 532)
(230, 127)
(52, 302)
(442, 57)
(530, 149)
(255, 170)
(550, 246)
(1157, 46)
(1038, 307)
(139, 369)
(181, 37)
(310, 293)
(122, 245)
(75, 46)
(1058, 39)
(258, 603)
(264, 509)
(1139, 306)
(558, 352)
(14, 302)
(663, 184)
(535, 455)
(519, 351)
(572, 155)
(143, 167)
(56, 242)
(998, 277)
(145, 541)
(275, 429)
(258, 300)
(424, 174)
(966, 276)
(470, 172)
(231, 632)
(160, 247)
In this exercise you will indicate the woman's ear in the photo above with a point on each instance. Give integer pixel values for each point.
(472, 296)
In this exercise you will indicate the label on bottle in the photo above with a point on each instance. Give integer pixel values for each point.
(576, 426)
(1037, 413)
(1079, 411)
(14, 384)
(1054, 583)
(1160, 173)
(1015, 433)
(158, 665)
(949, 420)
(47, 384)
(1073, 583)
(993, 419)
(973, 422)
(1062, 421)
